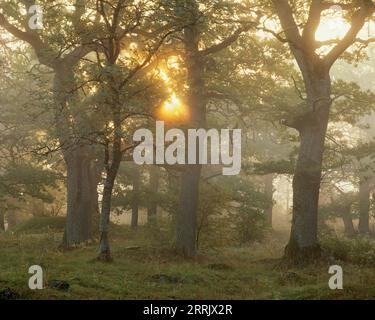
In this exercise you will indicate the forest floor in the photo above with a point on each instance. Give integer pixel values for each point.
(145, 269)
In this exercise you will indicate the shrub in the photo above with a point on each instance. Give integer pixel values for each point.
(41, 225)
(359, 250)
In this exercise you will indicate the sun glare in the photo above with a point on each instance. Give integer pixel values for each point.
(332, 28)
(173, 63)
(165, 77)
(173, 109)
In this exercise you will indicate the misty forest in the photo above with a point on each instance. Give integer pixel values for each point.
(80, 78)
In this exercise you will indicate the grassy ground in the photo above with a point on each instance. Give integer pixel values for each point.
(145, 268)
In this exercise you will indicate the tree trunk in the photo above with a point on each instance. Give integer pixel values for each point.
(83, 173)
(135, 199)
(303, 244)
(153, 189)
(82, 198)
(268, 189)
(112, 166)
(348, 222)
(104, 248)
(186, 220)
(364, 206)
(313, 121)
(2, 220)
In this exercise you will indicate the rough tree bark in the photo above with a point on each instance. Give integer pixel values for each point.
(308, 172)
(82, 197)
(83, 173)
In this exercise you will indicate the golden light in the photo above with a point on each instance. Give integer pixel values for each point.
(332, 27)
(173, 62)
(133, 46)
(173, 109)
(164, 76)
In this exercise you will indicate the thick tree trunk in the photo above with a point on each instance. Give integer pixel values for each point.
(153, 189)
(135, 199)
(82, 198)
(303, 244)
(364, 206)
(312, 123)
(268, 189)
(186, 220)
(348, 221)
(83, 174)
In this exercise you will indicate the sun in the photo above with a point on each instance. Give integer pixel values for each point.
(332, 27)
(173, 109)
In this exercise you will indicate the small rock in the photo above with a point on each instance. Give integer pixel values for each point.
(59, 285)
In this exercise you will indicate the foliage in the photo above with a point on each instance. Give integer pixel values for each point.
(231, 213)
(37, 225)
(360, 250)
(21, 180)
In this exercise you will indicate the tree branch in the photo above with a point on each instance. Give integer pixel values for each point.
(289, 25)
(231, 39)
(28, 37)
(358, 21)
(313, 23)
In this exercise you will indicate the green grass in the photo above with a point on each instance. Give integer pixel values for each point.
(145, 267)
(41, 225)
